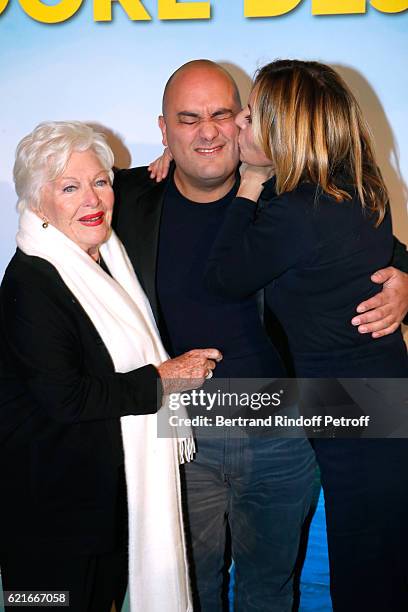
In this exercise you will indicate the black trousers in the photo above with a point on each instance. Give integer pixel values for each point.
(93, 582)
(365, 483)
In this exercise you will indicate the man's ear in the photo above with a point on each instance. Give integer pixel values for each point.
(162, 126)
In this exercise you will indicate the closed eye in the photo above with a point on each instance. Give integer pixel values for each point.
(187, 120)
(222, 116)
(248, 117)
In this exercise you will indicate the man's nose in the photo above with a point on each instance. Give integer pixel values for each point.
(209, 130)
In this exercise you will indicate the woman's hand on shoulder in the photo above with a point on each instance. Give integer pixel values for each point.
(159, 168)
(189, 370)
(252, 180)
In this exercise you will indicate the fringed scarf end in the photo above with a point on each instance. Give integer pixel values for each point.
(186, 450)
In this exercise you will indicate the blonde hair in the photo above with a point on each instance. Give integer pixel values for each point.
(42, 156)
(310, 125)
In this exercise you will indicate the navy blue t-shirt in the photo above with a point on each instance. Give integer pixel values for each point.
(194, 318)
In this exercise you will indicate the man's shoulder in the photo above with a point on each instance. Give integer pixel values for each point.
(135, 192)
(134, 179)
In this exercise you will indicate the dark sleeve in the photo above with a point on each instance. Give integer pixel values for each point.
(254, 247)
(128, 185)
(400, 256)
(48, 356)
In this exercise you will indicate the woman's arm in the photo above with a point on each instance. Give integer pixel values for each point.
(256, 245)
(44, 345)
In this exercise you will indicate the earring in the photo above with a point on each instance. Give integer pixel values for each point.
(45, 224)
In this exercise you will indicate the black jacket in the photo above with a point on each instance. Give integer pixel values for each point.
(60, 404)
(136, 220)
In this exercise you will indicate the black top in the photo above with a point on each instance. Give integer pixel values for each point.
(400, 260)
(192, 316)
(315, 257)
(60, 404)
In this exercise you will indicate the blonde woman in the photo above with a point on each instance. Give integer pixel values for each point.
(321, 228)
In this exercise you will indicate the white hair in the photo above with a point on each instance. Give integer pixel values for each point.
(42, 156)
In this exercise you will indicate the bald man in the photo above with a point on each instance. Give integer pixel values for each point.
(257, 489)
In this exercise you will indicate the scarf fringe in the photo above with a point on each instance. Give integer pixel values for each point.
(186, 450)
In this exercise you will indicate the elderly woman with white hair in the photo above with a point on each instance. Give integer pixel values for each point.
(84, 373)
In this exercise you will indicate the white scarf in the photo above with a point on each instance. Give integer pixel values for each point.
(120, 311)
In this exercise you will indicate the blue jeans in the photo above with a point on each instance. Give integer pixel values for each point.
(261, 489)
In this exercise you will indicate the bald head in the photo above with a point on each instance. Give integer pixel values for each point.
(201, 67)
(198, 126)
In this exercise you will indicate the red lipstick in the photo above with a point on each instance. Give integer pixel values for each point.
(92, 220)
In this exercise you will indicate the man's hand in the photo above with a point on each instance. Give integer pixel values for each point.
(384, 312)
